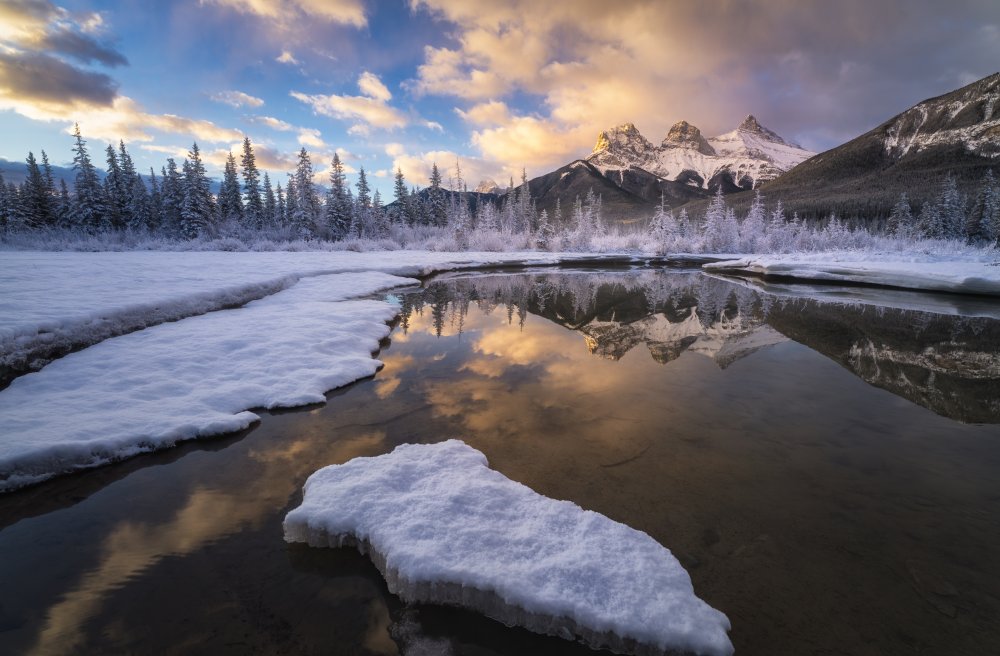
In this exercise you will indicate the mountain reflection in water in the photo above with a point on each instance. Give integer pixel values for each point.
(948, 364)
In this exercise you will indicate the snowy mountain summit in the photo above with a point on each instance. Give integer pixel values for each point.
(740, 159)
(488, 186)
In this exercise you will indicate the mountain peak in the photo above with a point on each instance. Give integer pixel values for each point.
(751, 124)
(488, 186)
(625, 133)
(685, 135)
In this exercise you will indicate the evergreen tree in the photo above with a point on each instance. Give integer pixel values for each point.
(307, 208)
(291, 201)
(900, 218)
(362, 207)
(64, 208)
(155, 202)
(713, 232)
(338, 210)
(50, 182)
(197, 207)
(255, 212)
(402, 199)
(114, 191)
(88, 206)
(545, 232)
(951, 210)
(753, 230)
(139, 216)
(5, 205)
(929, 222)
(128, 177)
(173, 199)
(230, 198)
(280, 211)
(270, 204)
(435, 195)
(35, 204)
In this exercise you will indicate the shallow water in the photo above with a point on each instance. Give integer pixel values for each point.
(824, 469)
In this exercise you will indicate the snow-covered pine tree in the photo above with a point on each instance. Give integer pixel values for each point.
(254, 214)
(291, 201)
(88, 197)
(982, 220)
(197, 208)
(546, 232)
(338, 210)
(50, 189)
(128, 176)
(5, 204)
(173, 199)
(900, 220)
(230, 197)
(379, 217)
(361, 223)
(64, 207)
(950, 209)
(155, 203)
(929, 223)
(114, 191)
(35, 202)
(713, 228)
(138, 213)
(753, 229)
(280, 211)
(268, 218)
(436, 198)
(401, 198)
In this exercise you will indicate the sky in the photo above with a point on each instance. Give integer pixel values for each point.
(495, 86)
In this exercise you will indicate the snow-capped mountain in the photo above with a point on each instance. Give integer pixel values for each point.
(488, 186)
(741, 159)
(957, 133)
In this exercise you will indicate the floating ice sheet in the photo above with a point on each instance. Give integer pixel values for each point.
(445, 528)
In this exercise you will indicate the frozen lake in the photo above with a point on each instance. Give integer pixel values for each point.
(822, 461)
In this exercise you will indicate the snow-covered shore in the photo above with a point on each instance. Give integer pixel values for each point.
(965, 275)
(52, 303)
(445, 528)
(136, 390)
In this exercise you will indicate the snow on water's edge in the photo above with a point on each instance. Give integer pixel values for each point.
(192, 378)
(445, 528)
(958, 277)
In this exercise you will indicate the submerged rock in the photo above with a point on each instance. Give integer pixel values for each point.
(444, 528)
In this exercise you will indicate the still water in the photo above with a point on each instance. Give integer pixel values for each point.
(823, 461)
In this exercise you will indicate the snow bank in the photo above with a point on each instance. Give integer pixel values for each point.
(964, 276)
(54, 303)
(444, 528)
(197, 377)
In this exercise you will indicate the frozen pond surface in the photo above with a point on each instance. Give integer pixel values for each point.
(826, 472)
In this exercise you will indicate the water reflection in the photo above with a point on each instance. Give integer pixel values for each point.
(949, 364)
(735, 425)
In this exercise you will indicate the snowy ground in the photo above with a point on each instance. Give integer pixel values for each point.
(52, 303)
(970, 274)
(445, 528)
(148, 389)
(156, 374)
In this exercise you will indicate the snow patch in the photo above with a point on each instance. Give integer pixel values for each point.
(193, 378)
(443, 527)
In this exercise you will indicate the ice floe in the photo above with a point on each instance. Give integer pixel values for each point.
(445, 528)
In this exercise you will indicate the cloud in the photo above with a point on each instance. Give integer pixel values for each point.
(345, 12)
(799, 66)
(371, 86)
(370, 110)
(417, 168)
(273, 123)
(237, 99)
(286, 58)
(311, 137)
(30, 78)
(81, 47)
